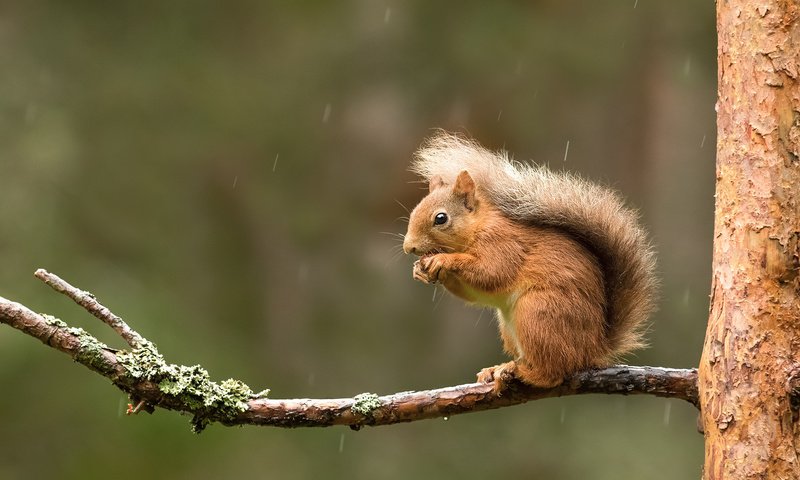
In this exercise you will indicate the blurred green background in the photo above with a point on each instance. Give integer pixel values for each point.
(221, 174)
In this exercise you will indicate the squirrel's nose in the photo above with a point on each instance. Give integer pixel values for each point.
(408, 248)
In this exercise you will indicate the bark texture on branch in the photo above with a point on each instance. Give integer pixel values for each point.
(90, 303)
(752, 347)
(473, 397)
(151, 382)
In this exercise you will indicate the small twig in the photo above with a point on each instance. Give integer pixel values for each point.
(133, 410)
(90, 303)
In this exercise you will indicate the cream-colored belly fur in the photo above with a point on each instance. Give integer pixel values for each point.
(504, 303)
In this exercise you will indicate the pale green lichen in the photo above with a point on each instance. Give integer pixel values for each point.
(77, 331)
(365, 403)
(58, 323)
(262, 394)
(51, 320)
(143, 362)
(192, 386)
(90, 350)
(92, 353)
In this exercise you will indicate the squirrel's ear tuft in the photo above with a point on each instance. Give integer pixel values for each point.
(434, 183)
(465, 187)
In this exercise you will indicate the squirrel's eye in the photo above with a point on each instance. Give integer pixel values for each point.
(440, 218)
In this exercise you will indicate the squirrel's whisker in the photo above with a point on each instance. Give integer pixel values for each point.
(404, 207)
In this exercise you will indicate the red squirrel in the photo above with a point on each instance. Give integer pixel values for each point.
(565, 264)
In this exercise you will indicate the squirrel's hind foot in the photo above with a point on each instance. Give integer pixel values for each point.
(501, 375)
(506, 373)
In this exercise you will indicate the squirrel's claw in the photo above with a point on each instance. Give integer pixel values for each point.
(420, 274)
(501, 375)
(428, 269)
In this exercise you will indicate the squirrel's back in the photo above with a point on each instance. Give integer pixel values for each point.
(594, 215)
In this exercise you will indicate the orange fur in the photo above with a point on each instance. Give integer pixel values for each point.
(550, 289)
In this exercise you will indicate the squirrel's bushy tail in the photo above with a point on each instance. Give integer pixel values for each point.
(593, 214)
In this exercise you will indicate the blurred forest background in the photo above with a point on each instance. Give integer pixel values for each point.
(221, 174)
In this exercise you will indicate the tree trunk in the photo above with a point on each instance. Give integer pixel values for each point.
(751, 355)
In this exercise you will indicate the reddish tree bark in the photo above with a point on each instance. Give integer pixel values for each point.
(752, 347)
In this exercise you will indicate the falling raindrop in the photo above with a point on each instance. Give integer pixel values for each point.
(302, 273)
(566, 151)
(703, 141)
(635, 3)
(479, 317)
(326, 114)
(275, 165)
(687, 66)
(122, 404)
(341, 443)
(563, 414)
(435, 287)
(387, 15)
(667, 410)
(436, 305)
(235, 179)
(499, 114)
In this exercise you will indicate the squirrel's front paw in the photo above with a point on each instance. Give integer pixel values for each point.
(428, 269)
(419, 273)
(501, 375)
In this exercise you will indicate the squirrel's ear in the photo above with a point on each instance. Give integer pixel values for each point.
(465, 187)
(434, 183)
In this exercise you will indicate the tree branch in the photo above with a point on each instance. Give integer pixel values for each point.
(472, 397)
(90, 303)
(151, 382)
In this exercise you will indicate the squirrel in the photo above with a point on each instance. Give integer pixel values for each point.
(565, 264)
